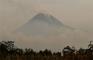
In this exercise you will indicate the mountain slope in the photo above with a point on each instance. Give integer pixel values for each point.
(42, 25)
(45, 31)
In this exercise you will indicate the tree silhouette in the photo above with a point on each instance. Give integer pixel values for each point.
(68, 50)
(47, 52)
(8, 51)
(57, 54)
(29, 52)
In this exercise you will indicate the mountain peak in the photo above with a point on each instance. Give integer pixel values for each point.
(41, 24)
(42, 14)
(44, 17)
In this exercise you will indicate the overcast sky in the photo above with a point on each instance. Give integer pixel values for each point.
(75, 13)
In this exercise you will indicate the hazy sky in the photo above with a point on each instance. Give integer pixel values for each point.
(75, 13)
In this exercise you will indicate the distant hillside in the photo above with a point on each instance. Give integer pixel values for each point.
(42, 25)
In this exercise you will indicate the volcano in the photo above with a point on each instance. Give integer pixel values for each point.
(45, 31)
(42, 25)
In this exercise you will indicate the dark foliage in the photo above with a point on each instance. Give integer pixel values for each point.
(8, 51)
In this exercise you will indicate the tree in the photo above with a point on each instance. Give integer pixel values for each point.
(68, 50)
(57, 54)
(47, 52)
(6, 46)
(19, 51)
(41, 53)
(29, 52)
(82, 51)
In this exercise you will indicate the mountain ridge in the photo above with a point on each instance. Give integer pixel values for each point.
(43, 24)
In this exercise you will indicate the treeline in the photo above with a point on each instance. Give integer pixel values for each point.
(9, 48)
(8, 51)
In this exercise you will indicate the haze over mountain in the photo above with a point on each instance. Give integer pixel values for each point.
(45, 31)
(74, 13)
(43, 24)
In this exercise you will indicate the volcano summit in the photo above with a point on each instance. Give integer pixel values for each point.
(42, 25)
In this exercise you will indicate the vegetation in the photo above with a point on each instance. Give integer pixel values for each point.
(8, 51)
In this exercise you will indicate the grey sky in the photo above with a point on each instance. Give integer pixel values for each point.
(75, 13)
(72, 12)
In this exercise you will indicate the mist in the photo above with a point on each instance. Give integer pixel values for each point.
(74, 13)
